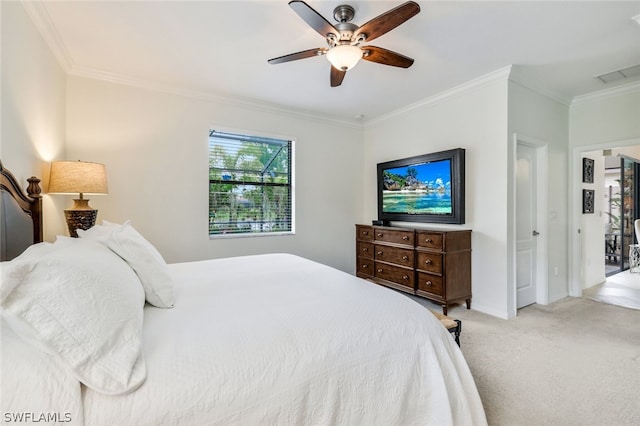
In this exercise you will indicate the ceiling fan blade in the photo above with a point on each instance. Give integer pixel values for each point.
(386, 57)
(337, 76)
(313, 18)
(298, 55)
(387, 21)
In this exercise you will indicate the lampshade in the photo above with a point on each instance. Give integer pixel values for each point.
(79, 177)
(344, 56)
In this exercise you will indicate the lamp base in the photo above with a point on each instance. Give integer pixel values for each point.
(80, 219)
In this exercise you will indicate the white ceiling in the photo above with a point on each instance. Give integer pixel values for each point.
(220, 48)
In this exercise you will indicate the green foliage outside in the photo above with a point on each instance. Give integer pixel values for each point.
(248, 189)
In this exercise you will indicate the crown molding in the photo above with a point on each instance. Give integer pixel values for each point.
(624, 89)
(517, 76)
(40, 17)
(235, 101)
(501, 74)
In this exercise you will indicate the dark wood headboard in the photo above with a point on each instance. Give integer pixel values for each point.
(20, 214)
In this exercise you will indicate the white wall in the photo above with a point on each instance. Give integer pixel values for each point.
(592, 266)
(473, 118)
(538, 117)
(32, 106)
(607, 119)
(155, 147)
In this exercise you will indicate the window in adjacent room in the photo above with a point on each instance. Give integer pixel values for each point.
(250, 185)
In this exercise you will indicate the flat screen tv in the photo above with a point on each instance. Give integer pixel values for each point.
(427, 188)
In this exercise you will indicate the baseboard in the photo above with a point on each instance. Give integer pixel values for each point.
(490, 311)
(557, 296)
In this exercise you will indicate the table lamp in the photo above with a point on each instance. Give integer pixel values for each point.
(81, 177)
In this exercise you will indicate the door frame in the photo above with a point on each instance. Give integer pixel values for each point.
(575, 208)
(542, 191)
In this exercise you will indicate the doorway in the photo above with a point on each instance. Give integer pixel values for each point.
(589, 239)
(621, 209)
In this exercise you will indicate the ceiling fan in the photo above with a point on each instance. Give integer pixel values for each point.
(344, 38)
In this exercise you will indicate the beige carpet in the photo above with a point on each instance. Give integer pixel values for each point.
(574, 362)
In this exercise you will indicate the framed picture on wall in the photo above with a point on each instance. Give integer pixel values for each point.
(587, 170)
(588, 200)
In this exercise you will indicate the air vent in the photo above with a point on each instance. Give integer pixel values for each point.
(628, 72)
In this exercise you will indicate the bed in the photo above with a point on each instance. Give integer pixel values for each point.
(98, 330)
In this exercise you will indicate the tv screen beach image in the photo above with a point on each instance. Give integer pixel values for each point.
(418, 188)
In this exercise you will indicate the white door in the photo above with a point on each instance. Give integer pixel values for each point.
(526, 205)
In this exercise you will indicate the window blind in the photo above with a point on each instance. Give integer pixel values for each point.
(250, 184)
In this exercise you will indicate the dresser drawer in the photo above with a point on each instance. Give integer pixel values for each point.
(364, 249)
(364, 233)
(430, 283)
(395, 274)
(394, 236)
(397, 255)
(430, 262)
(430, 240)
(365, 267)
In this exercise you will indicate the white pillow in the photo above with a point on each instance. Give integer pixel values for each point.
(84, 304)
(141, 255)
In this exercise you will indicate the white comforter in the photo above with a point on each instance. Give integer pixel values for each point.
(281, 340)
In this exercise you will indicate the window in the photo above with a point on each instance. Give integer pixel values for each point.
(250, 185)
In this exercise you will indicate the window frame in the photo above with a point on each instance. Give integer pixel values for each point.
(291, 185)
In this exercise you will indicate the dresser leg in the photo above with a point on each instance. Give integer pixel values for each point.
(468, 303)
(444, 309)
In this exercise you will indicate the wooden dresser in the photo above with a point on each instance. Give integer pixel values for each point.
(434, 264)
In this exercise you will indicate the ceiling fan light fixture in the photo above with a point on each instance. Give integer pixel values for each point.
(344, 56)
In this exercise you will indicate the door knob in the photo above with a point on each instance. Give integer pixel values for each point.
(535, 233)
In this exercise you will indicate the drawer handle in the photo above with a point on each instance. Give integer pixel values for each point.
(365, 232)
(405, 277)
(406, 238)
(366, 249)
(429, 283)
(365, 266)
(428, 262)
(379, 234)
(380, 253)
(380, 270)
(405, 257)
(429, 240)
